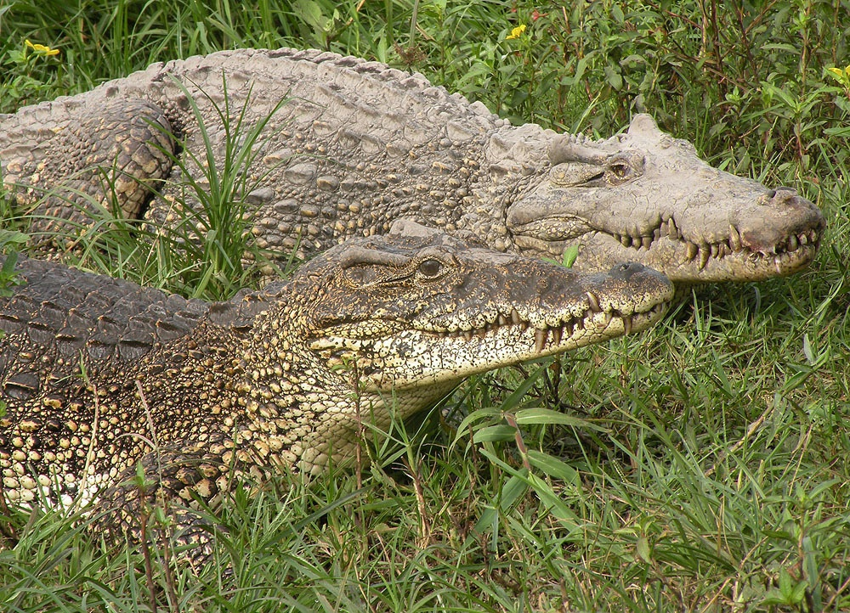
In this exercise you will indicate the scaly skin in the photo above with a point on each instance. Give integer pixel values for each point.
(356, 145)
(611, 199)
(100, 375)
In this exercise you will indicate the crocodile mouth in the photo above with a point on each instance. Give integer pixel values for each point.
(666, 249)
(702, 253)
(416, 357)
(547, 337)
(516, 335)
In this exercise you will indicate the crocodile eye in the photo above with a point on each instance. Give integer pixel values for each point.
(621, 171)
(431, 268)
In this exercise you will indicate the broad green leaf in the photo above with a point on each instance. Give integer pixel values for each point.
(553, 502)
(570, 256)
(492, 434)
(553, 467)
(643, 550)
(539, 416)
(480, 414)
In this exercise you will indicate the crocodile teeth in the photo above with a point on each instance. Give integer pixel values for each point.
(705, 254)
(608, 317)
(503, 320)
(715, 249)
(540, 337)
(804, 239)
(793, 243)
(735, 238)
(626, 240)
(593, 300)
(627, 324)
(693, 250)
(557, 333)
(515, 318)
(646, 242)
(467, 334)
(669, 228)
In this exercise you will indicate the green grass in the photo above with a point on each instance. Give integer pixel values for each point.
(699, 466)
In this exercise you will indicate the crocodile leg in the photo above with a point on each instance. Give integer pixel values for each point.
(173, 479)
(84, 157)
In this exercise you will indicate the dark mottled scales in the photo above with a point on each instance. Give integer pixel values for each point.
(97, 371)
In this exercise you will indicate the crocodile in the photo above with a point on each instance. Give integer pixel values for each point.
(101, 376)
(342, 147)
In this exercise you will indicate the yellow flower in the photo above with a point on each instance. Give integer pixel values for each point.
(516, 32)
(41, 49)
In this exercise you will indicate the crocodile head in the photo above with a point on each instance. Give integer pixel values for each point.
(417, 314)
(646, 197)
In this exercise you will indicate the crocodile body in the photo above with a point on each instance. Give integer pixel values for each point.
(345, 146)
(100, 375)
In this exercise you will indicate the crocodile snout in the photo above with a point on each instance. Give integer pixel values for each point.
(787, 198)
(791, 215)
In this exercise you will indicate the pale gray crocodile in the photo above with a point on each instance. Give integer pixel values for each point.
(100, 375)
(356, 145)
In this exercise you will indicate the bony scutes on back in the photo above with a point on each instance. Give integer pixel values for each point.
(337, 155)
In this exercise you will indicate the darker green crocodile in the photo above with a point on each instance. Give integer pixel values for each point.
(101, 376)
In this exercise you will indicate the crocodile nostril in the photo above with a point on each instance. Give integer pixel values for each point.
(785, 195)
(627, 269)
